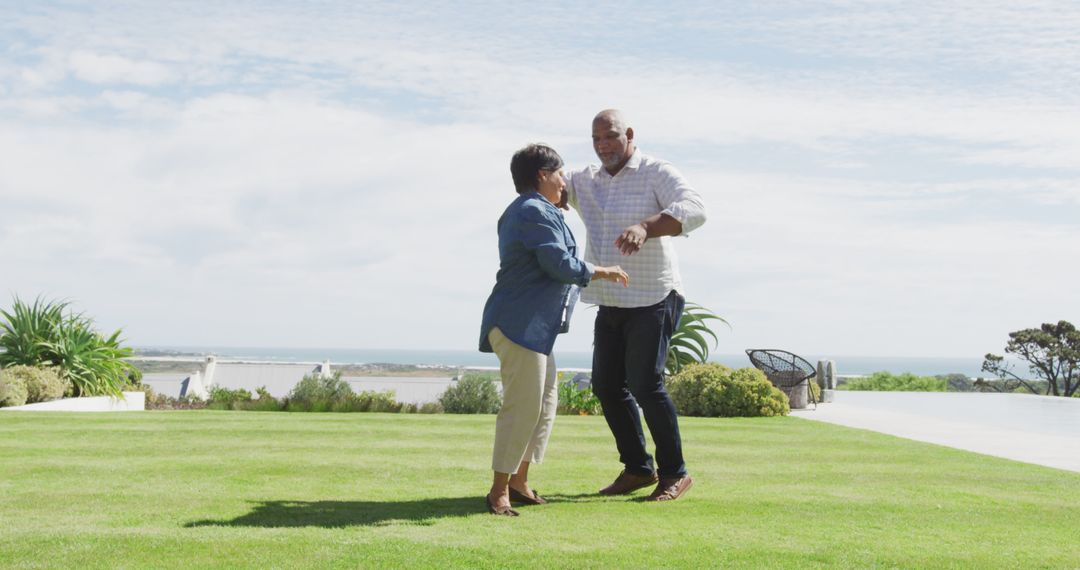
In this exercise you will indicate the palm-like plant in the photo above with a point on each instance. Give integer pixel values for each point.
(94, 364)
(42, 334)
(688, 344)
(25, 328)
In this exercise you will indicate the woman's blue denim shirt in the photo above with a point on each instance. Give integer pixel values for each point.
(535, 288)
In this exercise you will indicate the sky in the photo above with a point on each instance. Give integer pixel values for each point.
(882, 178)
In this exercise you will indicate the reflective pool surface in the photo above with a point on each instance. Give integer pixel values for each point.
(1023, 412)
(1043, 430)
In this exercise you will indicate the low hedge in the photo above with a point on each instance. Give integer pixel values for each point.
(12, 390)
(476, 393)
(30, 384)
(367, 401)
(904, 382)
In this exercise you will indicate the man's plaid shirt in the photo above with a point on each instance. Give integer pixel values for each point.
(609, 204)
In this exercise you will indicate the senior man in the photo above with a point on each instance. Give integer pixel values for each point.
(632, 205)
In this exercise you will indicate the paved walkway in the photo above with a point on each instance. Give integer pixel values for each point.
(1033, 429)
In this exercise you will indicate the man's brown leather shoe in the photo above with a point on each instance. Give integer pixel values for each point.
(628, 483)
(671, 488)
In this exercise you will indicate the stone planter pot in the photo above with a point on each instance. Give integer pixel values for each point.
(798, 396)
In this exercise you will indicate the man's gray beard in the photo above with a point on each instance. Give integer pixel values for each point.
(612, 163)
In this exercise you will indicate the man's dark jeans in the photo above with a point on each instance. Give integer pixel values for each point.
(629, 352)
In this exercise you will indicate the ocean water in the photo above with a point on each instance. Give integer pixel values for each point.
(569, 359)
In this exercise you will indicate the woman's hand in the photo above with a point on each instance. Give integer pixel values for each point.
(613, 273)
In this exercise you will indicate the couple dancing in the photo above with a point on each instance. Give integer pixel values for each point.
(630, 205)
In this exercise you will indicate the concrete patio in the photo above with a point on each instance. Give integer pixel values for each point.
(1043, 430)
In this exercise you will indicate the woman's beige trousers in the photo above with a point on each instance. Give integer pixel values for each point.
(530, 398)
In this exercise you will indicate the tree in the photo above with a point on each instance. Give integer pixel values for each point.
(1052, 353)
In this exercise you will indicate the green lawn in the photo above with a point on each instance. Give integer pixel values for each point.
(247, 489)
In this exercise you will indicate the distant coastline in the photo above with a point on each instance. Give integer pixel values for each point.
(464, 359)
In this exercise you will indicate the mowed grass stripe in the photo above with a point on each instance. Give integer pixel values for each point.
(248, 489)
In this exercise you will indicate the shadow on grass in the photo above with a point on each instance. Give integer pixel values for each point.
(337, 514)
(579, 498)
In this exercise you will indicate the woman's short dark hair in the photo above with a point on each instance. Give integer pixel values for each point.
(527, 163)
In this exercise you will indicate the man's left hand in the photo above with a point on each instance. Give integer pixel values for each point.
(631, 240)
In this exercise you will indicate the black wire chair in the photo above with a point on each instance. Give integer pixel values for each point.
(786, 370)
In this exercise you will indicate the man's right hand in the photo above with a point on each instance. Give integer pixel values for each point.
(631, 240)
(613, 273)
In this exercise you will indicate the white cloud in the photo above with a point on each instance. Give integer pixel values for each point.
(111, 69)
(289, 176)
(793, 263)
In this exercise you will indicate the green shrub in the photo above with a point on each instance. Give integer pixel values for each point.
(42, 384)
(264, 402)
(155, 401)
(575, 401)
(42, 334)
(430, 408)
(378, 401)
(712, 390)
(905, 382)
(12, 389)
(270, 404)
(243, 400)
(319, 393)
(472, 394)
(425, 408)
(317, 387)
(307, 405)
(956, 382)
(134, 379)
(222, 398)
(367, 401)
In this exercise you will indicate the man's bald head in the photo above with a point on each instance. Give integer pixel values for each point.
(612, 117)
(613, 139)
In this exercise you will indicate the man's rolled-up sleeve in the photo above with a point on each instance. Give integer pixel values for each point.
(679, 199)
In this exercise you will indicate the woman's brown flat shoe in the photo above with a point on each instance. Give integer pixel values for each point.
(500, 511)
(519, 497)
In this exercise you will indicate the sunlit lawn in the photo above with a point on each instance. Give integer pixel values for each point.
(248, 489)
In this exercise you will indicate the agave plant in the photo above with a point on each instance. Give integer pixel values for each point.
(42, 334)
(688, 344)
(94, 364)
(25, 328)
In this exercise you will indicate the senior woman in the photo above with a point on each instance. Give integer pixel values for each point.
(534, 294)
